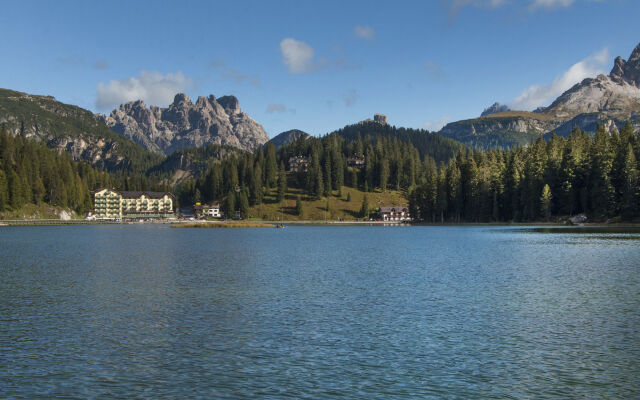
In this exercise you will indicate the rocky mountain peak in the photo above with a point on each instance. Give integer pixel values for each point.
(629, 70)
(185, 124)
(181, 98)
(230, 104)
(617, 95)
(495, 108)
(618, 68)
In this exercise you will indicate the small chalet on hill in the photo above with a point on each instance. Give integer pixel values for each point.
(356, 161)
(298, 163)
(394, 213)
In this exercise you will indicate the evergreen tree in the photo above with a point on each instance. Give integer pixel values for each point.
(229, 205)
(299, 206)
(271, 165)
(282, 183)
(327, 177)
(545, 202)
(631, 189)
(4, 191)
(384, 174)
(364, 209)
(319, 185)
(15, 190)
(243, 204)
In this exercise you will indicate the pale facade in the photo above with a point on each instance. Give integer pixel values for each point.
(397, 213)
(207, 211)
(112, 204)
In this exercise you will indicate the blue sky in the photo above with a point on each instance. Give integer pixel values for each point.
(315, 66)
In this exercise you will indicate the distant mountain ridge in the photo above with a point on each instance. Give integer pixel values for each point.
(607, 100)
(616, 94)
(288, 137)
(184, 124)
(495, 108)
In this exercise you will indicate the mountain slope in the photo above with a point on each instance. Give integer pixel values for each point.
(184, 124)
(69, 128)
(288, 137)
(617, 95)
(191, 162)
(436, 146)
(607, 100)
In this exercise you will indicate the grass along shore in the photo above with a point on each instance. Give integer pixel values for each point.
(316, 210)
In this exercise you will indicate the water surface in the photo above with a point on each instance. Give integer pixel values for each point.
(318, 312)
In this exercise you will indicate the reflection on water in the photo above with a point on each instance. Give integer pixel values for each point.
(318, 312)
(627, 230)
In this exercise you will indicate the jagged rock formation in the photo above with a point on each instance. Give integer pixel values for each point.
(72, 129)
(495, 108)
(184, 124)
(617, 95)
(288, 137)
(606, 100)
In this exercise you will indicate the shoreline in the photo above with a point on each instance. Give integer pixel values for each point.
(45, 222)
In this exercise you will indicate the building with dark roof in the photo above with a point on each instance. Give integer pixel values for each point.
(394, 213)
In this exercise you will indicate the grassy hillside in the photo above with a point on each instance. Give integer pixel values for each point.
(314, 210)
(500, 130)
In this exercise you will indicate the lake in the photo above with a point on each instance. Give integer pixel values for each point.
(318, 312)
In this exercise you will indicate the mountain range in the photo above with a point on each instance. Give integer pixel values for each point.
(72, 129)
(138, 138)
(184, 124)
(609, 100)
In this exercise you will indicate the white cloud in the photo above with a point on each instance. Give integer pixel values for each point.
(541, 95)
(227, 73)
(279, 108)
(100, 64)
(436, 126)
(275, 108)
(364, 32)
(550, 4)
(350, 98)
(456, 5)
(151, 87)
(297, 56)
(434, 70)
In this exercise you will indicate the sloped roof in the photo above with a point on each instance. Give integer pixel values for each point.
(394, 209)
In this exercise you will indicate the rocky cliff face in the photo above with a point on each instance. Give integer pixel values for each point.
(606, 100)
(495, 108)
(617, 95)
(185, 124)
(502, 129)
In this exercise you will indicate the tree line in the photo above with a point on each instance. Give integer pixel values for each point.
(242, 180)
(595, 175)
(32, 173)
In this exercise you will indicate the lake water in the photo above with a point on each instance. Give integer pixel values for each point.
(318, 312)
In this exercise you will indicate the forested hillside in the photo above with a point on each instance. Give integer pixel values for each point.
(31, 173)
(244, 178)
(564, 176)
(433, 145)
(72, 129)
